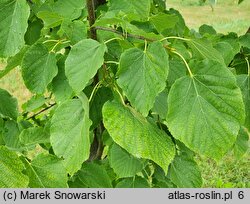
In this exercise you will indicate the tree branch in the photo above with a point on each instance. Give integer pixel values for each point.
(139, 37)
(41, 111)
(91, 18)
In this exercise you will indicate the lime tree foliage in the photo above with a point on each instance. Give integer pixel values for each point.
(124, 95)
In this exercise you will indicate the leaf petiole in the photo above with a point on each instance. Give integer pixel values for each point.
(174, 37)
(146, 45)
(185, 62)
(112, 39)
(47, 41)
(97, 86)
(111, 62)
(121, 97)
(248, 66)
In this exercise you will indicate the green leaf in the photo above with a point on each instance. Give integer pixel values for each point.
(35, 102)
(124, 164)
(184, 172)
(33, 32)
(46, 171)
(75, 31)
(135, 9)
(205, 111)
(137, 182)
(207, 29)
(70, 9)
(164, 21)
(8, 105)
(137, 135)
(58, 11)
(243, 82)
(177, 70)
(93, 175)
(50, 19)
(143, 74)
(245, 40)
(11, 135)
(11, 168)
(161, 180)
(226, 51)
(180, 28)
(70, 134)
(13, 62)
(38, 68)
(102, 95)
(60, 85)
(14, 16)
(84, 59)
(160, 106)
(241, 145)
(33, 136)
(205, 50)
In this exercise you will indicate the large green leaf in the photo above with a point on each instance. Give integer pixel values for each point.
(70, 134)
(50, 19)
(54, 14)
(34, 135)
(34, 103)
(243, 81)
(11, 168)
(205, 50)
(138, 9)
(84, 59)
(70, 9)
(124, 164)
(205, 110)
(137, 135)
(11, 135)
(38, 68)
(164, 21)
(46, 171)
(184, 172)
(143, 74)
(14, 16)
(93, 175)
(75, 31)
(160, 106)
(8, 105)
(226, 51)
(60, 85)
(245, 40)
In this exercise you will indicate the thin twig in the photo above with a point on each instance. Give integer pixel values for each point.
(125, 35)
(139, 37)
(91, 18)
(41, 111)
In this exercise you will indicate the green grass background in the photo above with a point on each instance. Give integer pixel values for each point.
(226, 17)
